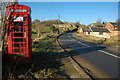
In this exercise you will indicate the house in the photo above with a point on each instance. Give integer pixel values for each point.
(114, 28)
(95, 31)
(111, 29)
(65, 27)
(100, 32)
(84, 30)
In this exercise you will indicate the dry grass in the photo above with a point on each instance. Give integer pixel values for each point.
(113, 41)
(91, 38)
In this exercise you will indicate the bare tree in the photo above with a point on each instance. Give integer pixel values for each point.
(118, 20)
(36, 24)
(4, 20)
(99, 21)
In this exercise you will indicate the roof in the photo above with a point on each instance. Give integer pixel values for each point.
(101, 25)
(18, 5)
(97, 24)
(118, 29)
(86, 29)
(94, 29)
(115, 24)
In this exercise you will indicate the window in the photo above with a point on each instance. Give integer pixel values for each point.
(18, 51)
(19, 45)
(19, 40)
(24, 24)
(20, 24)
(109, 26)
(116, 28)
(100, 33)
(88, 32)
(18, 35)
(19, 29)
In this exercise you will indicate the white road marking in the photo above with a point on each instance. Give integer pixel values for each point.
(69, 36)
(78, 41)
(98, 50)
(83, 44)
(67, 40)
(109, 54)
(74, 39)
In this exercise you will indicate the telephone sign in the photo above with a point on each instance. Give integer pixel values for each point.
(18, 18)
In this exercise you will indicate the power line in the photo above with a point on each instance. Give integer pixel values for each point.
(55, 8)
(47, 8)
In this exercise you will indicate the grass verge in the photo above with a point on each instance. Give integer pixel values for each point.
(45, 62)
(113, 41)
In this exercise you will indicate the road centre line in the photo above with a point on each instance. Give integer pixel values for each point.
(98, 50)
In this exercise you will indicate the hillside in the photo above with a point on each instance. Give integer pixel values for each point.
(50, 22)
(46, 23)
(46, 27)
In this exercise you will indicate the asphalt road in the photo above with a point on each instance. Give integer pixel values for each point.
(104, 58)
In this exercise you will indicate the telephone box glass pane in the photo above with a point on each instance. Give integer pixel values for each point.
(18, 35)
(19, 40)
(18, 29)
(18, 50)
(18, 23)
(19, 45)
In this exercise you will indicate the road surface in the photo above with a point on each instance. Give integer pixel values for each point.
(101, 60)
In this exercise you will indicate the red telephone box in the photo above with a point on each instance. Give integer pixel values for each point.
(19, 31)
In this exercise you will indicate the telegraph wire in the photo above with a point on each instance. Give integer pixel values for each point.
(57, 11)
(53, 6)
(47, 8)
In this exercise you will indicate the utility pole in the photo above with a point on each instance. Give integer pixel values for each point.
(58, 18)
(58, 22)
(43, 18)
